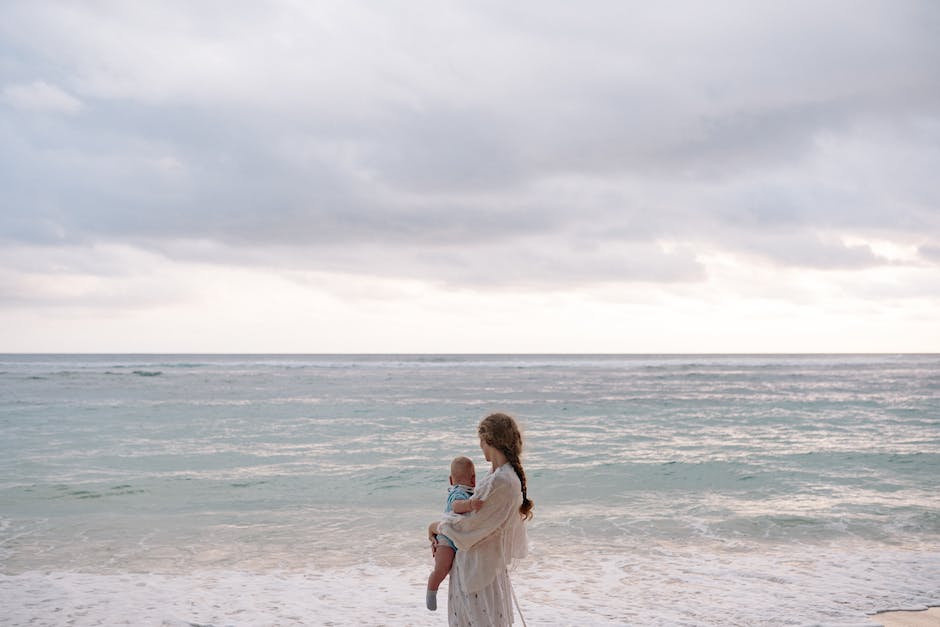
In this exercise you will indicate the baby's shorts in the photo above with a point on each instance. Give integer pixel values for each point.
(446, 541)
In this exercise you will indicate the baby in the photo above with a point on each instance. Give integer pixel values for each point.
(463, 478)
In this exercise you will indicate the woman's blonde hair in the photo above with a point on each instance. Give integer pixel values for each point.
(501, 432)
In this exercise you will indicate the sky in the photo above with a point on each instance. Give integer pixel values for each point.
(470, 177)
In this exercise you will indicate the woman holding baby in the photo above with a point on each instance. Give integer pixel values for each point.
(489, 538)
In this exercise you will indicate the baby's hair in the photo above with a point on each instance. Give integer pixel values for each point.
(461, 467)
(501, 432)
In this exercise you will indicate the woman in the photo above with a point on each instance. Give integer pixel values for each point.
(488, 540)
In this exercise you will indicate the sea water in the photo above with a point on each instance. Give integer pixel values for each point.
(296, 490)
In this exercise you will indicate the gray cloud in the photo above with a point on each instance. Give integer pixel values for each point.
(930, 252)
(488, 143)
(40, 96)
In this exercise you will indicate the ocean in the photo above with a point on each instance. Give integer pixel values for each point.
(296, 490)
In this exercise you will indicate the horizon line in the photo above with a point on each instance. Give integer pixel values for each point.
(469, 354)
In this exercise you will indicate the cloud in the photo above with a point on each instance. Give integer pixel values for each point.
(42, 97)
(930, 252)
(475, 144)
(93, 278)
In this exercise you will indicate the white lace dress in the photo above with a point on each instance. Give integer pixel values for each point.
(479, 593)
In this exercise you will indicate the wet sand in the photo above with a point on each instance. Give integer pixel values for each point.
(923, 618)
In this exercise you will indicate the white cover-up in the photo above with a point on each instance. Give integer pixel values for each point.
(488, 541)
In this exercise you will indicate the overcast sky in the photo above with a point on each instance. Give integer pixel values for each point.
(470, 177)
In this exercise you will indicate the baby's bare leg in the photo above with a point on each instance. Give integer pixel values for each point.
(443, 560)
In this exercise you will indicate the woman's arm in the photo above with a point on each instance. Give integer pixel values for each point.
(466, 531)
(465, 506)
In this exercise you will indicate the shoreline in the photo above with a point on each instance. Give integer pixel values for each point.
(928, 617)
(378, 595)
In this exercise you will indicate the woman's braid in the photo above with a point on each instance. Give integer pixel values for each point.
(501, 431)
(526, 508)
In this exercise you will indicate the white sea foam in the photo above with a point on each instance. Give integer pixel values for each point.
(663, 586)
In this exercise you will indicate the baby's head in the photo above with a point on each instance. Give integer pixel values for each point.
(462, 472)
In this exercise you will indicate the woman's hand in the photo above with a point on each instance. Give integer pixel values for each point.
(432, 536)
(476, 504)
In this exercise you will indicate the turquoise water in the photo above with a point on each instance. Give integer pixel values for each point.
(700, 490)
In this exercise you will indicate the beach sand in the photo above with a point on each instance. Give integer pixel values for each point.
(923, 618)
